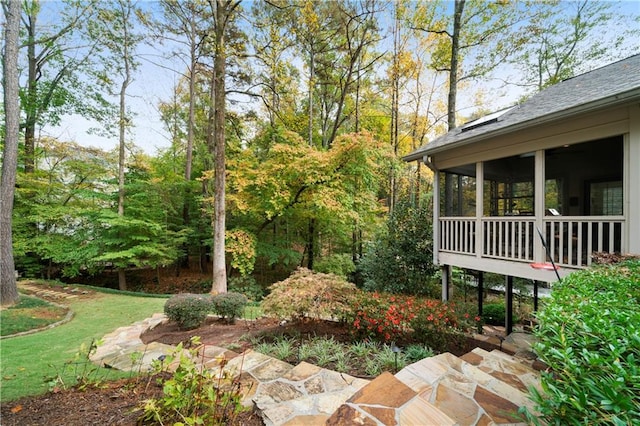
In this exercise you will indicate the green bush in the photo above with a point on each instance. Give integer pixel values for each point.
(188, 310)
(246, 285)
(415, 353)
(229, 305)
(310, 294)
(193, 395)
(400, 260)
(494, 313)
(589, 336)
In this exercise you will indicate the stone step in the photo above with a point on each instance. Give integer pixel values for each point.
(504, 367)
(464, 392)
(388, 401)
(46, 293)
(305, 394)
(444, 390)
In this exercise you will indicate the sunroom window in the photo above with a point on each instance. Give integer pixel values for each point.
(458, 191)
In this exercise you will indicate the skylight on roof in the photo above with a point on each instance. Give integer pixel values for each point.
(487, 119)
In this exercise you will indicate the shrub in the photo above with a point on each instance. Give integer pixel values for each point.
(589, 336)
(392, 317)
(194, 395)
(229, 305)
(415, 353)
(246, 285)
(188, 310)
(309, 294)
(494, 313)
(382, 317)
(400, 260)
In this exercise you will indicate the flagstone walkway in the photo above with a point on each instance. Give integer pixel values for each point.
(479, 388)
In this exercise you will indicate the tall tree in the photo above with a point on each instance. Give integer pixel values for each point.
(184, 23)
(115, 29)
(55, 55)
(224, 14)
(313, 37)
(565, 38)
(473, 39)
(8, 288)
(277, 76)
(353, 54)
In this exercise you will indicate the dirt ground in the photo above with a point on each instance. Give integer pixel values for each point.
(112, 403)
(238, 335)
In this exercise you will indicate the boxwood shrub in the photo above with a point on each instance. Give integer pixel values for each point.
(188, 310)
(229, 305)
(495, 314)
(589, 336)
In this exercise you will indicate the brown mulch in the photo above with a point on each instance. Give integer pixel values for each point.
(111, 403)
(604, 258)
(238, 336)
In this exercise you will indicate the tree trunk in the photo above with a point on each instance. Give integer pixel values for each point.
(223, 12)
(311, 243)
(122, 125)
(190, 128)
(395, 111)
(453, 72)
(122, 279)
(31, 106)
(311, 77)
(8, 287)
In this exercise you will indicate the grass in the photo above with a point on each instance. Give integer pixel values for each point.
(29, 362)
(28, 314)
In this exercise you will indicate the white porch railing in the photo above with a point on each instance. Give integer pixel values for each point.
(509, 237)
(458, 234)
(571, 239)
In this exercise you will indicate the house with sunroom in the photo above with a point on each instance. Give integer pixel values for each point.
(534, 190)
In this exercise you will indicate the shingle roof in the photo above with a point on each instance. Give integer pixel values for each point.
(612, 84)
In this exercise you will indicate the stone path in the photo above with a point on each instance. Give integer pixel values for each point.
(46, 293)
(479, 388)
(488, 389)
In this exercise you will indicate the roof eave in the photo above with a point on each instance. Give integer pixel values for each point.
(614, 100)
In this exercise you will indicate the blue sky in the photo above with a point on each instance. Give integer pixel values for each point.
(154, 84)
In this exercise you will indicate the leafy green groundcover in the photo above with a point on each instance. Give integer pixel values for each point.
(589, 335)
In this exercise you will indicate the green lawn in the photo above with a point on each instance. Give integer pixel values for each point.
(28, 314)
(27, 361)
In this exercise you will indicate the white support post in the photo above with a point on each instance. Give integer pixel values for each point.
(539, 254)
(479, 208)
(631, 189)
(436, 215)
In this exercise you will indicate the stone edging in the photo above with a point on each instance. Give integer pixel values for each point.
(66, 319)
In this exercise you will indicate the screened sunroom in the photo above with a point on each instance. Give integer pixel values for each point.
(535, 190)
